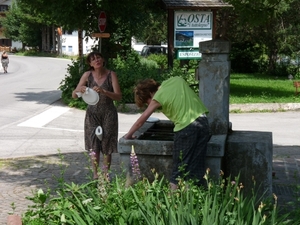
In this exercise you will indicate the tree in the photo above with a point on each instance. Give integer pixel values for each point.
(83, 14)
(20, 26)
(263, 24)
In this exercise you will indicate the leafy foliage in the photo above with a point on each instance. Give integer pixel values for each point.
(221, 202)
(247, 58)
(69, 83)
(266, 25)
(129, 70)
(20, 25)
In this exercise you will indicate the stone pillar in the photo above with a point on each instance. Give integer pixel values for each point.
(214, 74)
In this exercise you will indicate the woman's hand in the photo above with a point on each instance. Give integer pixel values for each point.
(83, 89)
(99, 89)
(79, 91)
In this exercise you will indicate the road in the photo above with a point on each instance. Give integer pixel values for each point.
(29, 88)
(30, 85)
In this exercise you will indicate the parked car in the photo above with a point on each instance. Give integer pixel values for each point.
(153, 49)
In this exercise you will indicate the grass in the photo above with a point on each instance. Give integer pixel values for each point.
(258, 88)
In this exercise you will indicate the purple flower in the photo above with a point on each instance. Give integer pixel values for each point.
(92, 153)
(135, 164)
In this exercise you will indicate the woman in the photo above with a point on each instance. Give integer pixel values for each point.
(4, 61)
(104, 113)
(191, 132)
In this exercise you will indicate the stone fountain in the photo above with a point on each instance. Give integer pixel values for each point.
(247, 154)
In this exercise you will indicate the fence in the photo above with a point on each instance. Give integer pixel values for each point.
(5, 48)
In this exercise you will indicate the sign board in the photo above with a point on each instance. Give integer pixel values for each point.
(188, 54)
(191, 28)
(101, 35)
(102, 21)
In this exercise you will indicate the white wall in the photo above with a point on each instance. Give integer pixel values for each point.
(16, 44)
(70, 44)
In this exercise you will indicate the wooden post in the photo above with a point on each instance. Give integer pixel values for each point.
(170, 37)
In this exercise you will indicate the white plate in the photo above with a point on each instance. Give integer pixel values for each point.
(152, 120)
(90, 96)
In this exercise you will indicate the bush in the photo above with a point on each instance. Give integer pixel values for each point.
(99, 202)
(245, 58)
(67, 85)
(129, 70)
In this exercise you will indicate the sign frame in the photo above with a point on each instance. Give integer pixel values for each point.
(188, 54)
(192, 27)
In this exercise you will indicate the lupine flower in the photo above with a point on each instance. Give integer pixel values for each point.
(102, 181)
(104, 168)
(92, 153)
(135, 165)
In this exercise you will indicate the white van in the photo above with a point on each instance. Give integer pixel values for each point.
(154, 49)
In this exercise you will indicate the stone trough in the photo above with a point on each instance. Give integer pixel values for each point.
(154, 149)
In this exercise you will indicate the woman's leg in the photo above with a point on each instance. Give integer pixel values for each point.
(106, 165)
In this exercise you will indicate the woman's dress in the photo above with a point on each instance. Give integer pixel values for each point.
(104, 113)
(4, 61)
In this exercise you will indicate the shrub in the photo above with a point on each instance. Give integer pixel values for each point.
(69, 83)
(129, 70)
(245, 57)
(160, 59)
(221, 203)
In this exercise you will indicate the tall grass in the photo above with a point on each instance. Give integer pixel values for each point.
(219, 203)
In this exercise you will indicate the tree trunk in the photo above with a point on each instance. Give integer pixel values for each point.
(44, 38)
(80, 39)
(48, 48)
(53, 49)
(272, 61)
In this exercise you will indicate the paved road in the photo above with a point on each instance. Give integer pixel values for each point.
(30, 86)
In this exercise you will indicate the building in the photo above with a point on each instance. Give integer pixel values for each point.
(5, 43)
(70, 43)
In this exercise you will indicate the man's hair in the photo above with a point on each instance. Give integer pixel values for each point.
(143, 90)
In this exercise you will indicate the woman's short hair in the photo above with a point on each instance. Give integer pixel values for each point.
(143, 91)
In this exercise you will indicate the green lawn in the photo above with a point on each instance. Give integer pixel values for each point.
(257, 88)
